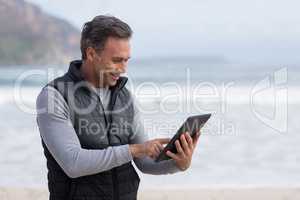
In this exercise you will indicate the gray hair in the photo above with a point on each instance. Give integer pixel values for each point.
(95, 33)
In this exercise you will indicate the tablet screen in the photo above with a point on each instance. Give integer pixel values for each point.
(192, 125)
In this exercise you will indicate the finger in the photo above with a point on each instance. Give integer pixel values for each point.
(184, 143)
(190, 141)
(160, 146)
(157, 150)
(153, 153)
(153, 150)
(163, 140)
(179, 148)
(172, 155)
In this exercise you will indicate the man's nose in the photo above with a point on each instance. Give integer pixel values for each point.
(122, 68)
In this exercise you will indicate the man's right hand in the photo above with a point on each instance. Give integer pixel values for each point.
(150, 148)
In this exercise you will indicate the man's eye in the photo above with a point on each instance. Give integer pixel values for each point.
(117, 60)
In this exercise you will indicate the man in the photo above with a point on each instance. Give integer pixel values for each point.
(90, 126)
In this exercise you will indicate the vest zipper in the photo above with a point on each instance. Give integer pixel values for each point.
(111, 104)
(112, 101)
(115, 192)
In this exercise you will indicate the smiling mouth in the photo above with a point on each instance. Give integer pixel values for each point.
(115, 76)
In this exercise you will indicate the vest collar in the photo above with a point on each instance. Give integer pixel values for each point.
(76, 75)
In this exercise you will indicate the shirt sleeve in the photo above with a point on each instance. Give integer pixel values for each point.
(58, 134)
(146, 164)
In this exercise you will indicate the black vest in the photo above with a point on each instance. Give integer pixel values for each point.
(95, 130)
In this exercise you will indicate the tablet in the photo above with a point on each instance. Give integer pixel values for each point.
(192, 125)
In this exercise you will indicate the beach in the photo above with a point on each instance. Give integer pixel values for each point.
(236, 61)
(241, 153)
(217, 193)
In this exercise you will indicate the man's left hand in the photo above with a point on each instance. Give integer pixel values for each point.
(185, 149)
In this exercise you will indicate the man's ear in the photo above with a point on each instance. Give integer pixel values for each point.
(90, 54)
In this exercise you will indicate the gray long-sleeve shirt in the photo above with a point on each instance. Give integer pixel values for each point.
(58, 134)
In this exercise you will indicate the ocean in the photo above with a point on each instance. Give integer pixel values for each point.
(252, 137)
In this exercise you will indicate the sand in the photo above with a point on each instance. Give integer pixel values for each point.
(247, 193)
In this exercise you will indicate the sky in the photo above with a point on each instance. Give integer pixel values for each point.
(256, 31)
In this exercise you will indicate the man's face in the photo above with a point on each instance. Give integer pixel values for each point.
(111, 62)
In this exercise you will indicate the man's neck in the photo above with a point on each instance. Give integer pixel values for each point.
(90, 75)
